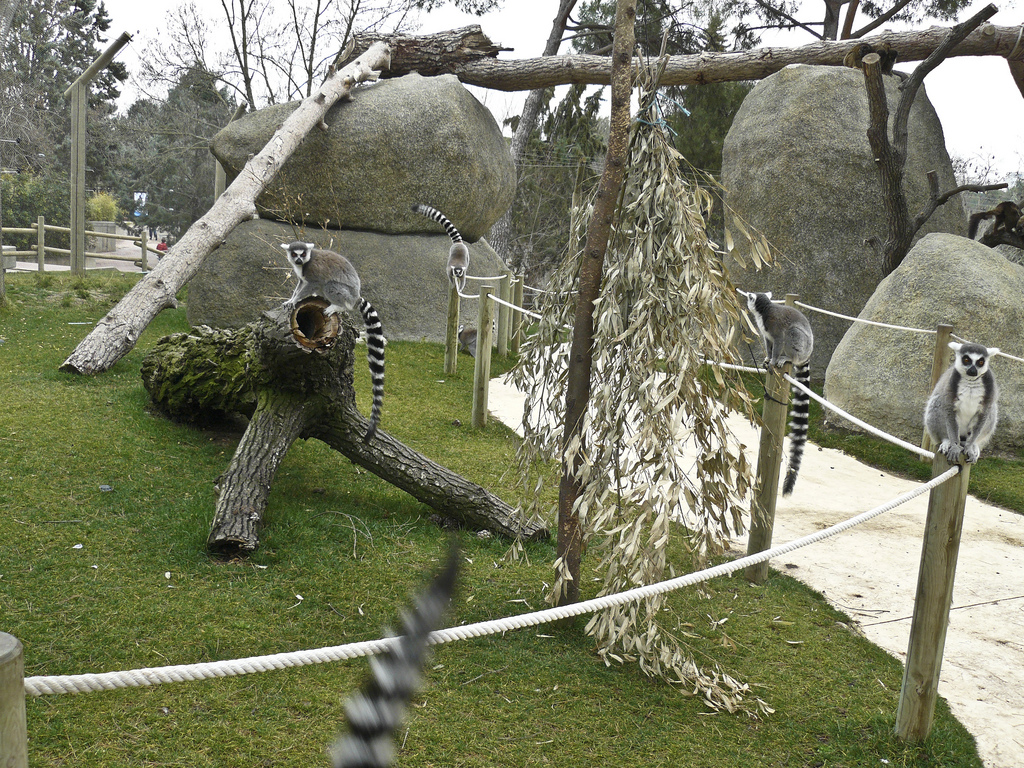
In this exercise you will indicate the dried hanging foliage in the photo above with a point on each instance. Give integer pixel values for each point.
(659, 459)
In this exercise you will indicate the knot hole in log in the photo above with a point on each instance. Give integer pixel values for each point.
(311, 327)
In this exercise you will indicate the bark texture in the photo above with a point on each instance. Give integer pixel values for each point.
(116, 334)
(892, 154)
(293, 375)
(703, 68)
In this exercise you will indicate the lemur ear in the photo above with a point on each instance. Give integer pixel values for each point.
(993, 351)
(955, 346)
(311, 246)
(768, 294)
(285, 246)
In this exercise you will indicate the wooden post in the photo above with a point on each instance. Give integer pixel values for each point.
(505, 294)
(519, 321)
(41, 243)
(78, 138)
(769, 464)
(78, 92)
(145, 250)
(935, 577)
(451, 336)
(940, 360)
(13, 728)
(482, 370)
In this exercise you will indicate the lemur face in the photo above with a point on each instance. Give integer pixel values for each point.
(971, 359)
(299, 253)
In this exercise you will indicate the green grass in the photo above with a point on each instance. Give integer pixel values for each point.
(140, 590)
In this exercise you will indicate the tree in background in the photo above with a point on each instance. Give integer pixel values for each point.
(278, 52)
(164, 152)
(50, 43)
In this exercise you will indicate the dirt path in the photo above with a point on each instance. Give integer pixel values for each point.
(870, 573)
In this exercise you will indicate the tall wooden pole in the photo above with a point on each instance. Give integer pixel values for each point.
(451, 336)
(935, 577)
(13, 728)
(940, 361)
(78, 93)
(769, 465)
(482, 368)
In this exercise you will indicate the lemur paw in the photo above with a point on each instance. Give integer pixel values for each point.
(972, 451)
(950, 450)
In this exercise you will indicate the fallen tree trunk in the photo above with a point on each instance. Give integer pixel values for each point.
(116, 334)
(475, 62)
(292, 374)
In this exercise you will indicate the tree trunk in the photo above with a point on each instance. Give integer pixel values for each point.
(577, 393)
(293, 373)
(708, 67)
(116, 334)
(501, 233)
(891, 155)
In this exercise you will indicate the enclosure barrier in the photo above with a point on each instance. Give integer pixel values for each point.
(928, 629)
(40, 228)
(58, 684)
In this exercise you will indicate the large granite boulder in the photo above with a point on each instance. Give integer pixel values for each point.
(403, 276)
(797, 167)
(882, 376)
(396, 142)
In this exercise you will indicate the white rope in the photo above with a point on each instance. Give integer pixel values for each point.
(39, 686)
(862, 424)
(866, 322)
(733, 367)
(517, 309)
(475, 277)
(998, 354)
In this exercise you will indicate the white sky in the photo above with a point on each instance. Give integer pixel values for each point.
(981, 110)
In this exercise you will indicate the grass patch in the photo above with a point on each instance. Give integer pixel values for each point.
(106, 508)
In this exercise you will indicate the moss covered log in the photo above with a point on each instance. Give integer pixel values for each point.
(291, 374)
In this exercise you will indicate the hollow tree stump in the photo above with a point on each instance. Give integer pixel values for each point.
(291, 373)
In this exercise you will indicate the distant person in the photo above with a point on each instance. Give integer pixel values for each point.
(152, 233)
(162, 247)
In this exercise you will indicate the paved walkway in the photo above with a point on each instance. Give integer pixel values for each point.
(870, 573)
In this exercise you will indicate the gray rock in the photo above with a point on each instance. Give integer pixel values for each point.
(797, 167)
(396, 142)
(882, 376)
(403, 276)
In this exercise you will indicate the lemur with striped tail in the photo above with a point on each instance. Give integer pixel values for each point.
(332, 277)
(458, 254)
(376, 710)
(963, 410)
(788, 338)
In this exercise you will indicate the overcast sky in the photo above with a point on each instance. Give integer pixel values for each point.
(981, 110)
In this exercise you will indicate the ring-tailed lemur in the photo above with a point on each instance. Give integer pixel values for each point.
(963, 409)
(467, 340)
(458, 255)
(788, 338)
(331, 276)
(375, 712)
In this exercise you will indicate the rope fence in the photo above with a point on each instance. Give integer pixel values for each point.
(48, 685)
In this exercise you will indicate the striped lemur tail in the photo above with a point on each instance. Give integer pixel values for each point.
(375, 357)
(800, 417)
(376, 710)
(458, 255)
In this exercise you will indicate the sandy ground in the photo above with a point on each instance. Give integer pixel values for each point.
(870, 573)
